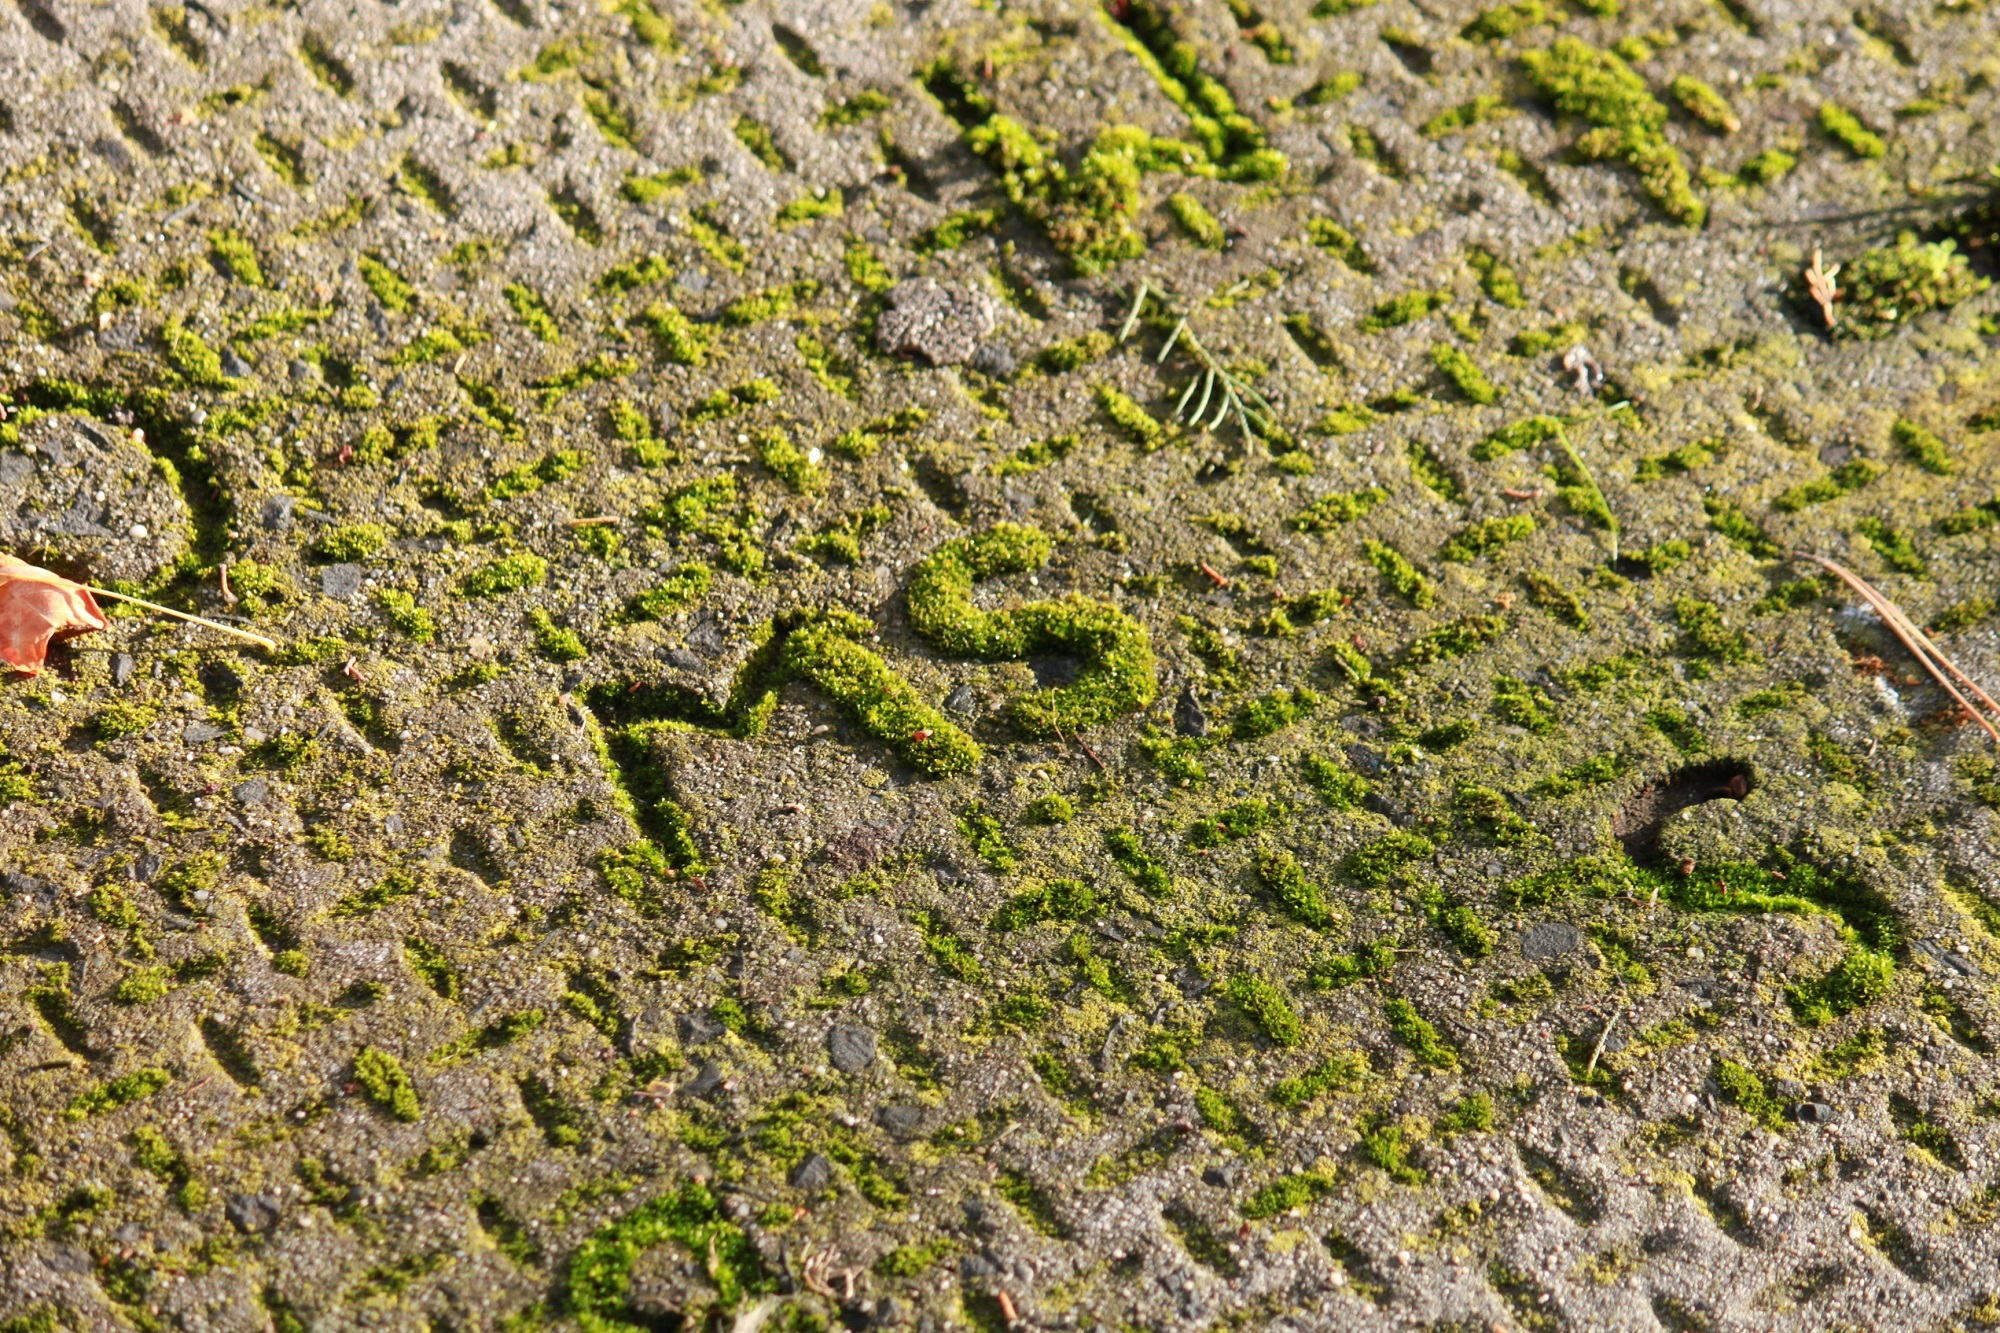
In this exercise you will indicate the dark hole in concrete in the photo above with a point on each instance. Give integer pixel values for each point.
(1647, 810)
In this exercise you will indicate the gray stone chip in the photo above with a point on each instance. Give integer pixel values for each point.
(341, 581)
(852, 1049)
(943, 325)
(1550, 939)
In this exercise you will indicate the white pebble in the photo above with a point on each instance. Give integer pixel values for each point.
(138, 529)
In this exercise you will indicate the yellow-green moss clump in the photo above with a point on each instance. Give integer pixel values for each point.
(1627, 121)
(1889, 286)
(1117, 676)
(385, 1083)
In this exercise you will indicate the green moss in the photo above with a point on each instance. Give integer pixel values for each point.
(1266, 1006)
(1388, 1146)
(946, 949)
(1284, 879)
(1704, 635)
(1273, 712)
(1131, 418)
(1862, 977)
(384, 1082)
(864, 105)
(1704, 104)
(1286, 1193)
(1473, 1114)
(1237, 821)
(154, 1153)
(1627, 121)
(1339, 242)
(1745, 1091)
(826, 653)
(682, 587)
(1488, 535)
(691, 1220)
(636, 272)
(1489, 811)
(988, 839)
(353, 541)
(1375, 862)
(787, 462)
(553, 641)
(510, 573)
(1845, 128)
(1416, 1032)
(650, 189)
(1133, 859)
(1401, 574)
(1464, 374)
(864, 269)
(143, 985)
(1337, 507)
(1340, 788)
(958, 228)
(756, 136)
(1922, 447)
(812, 207)
(1527, 433)
(390, 290)
(1466, 115)
(1768, 167)
(235, 257)
(117, 1092)
(1405, 309)
(1117, 675)
(531, 477)
(1196, 221)
(1889, 286)
(191, 358)
(678, 339)
(1893, 547)
(1053, 808)
(1056, 900)
(781, 302)
(1504, 21)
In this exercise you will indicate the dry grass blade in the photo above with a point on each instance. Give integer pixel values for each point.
(1819, 286)
(1929, 654)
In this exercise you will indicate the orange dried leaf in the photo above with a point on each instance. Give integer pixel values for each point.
(36, 606)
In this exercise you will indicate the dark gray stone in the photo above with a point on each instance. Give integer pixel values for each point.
(122, 667)
(859, 848)
(251, 792)
(341, 581)
(942, 324)
(964, 701)
(254, 1214)
(700, 1029)
(1814, 1113)
(813, 1175)
(1365, 760)
(276, 512)
(19, 884)
(995, 359)
(1550, 939)
(233, 365)
(901, 1122)
(1190, 718)
(851, 1048)
(146, 866)
(200, 733)
(704, 1083)
(1224, 1176)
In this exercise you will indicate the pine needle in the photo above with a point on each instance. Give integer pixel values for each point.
(1929, 654)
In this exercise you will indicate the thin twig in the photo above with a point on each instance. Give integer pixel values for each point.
(1576, 459)
(1598, 1050)
(1132, 319)
(258, 639)
(599, 521)
(1914, 639)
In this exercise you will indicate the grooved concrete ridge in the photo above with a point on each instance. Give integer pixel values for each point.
(967, 666)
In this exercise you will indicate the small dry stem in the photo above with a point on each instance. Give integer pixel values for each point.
(1941, 668)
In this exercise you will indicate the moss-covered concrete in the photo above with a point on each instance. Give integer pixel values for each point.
(744, 831)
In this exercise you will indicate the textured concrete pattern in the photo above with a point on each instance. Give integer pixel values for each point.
(967, 665)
